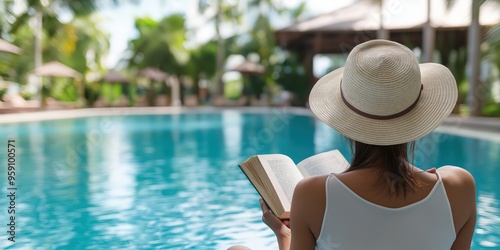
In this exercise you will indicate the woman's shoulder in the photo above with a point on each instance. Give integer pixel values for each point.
(456, 177)
(460, 188)
(312, 183)
(310, 189)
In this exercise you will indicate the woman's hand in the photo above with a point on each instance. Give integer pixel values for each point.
(280, 228)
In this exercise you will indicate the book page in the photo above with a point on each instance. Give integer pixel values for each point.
(323, 164)
(283, 174)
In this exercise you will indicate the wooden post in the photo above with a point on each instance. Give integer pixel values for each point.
(429, 36)
(308, 62)
(474, 97)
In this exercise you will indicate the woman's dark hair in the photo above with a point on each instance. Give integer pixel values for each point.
(393, 160)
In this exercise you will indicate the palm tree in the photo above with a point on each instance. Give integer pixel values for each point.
(224, 11)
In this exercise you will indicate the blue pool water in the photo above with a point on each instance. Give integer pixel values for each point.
(172, 181)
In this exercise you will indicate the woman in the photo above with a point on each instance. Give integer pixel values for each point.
(382, 100)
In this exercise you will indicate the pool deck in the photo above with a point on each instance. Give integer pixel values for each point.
(487, 128)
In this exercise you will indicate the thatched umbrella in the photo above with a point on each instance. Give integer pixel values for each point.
(250, 68)
(8, 47)
(57, 69)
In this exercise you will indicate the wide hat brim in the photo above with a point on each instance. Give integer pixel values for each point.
(437, 100)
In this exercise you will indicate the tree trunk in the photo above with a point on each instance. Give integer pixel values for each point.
(38, 52)
(219, 63)
(475, 96)
(429, 37)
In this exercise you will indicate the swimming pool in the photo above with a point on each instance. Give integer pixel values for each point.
(172, 181)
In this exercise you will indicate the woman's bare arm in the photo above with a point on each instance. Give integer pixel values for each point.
(307, 206)
(461, 190)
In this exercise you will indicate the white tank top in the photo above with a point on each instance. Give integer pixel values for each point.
(353, 223)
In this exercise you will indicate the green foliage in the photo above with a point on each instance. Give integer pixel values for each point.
(63, 89)
(49, 11)
(493, 46)
(3, 91)
(254, 84)
(26, 95)
(75, 41)
(71, 44)
(292, 76)
(92, 93)
(492, 109)
(18, 66)
(298, 11)
(233, 89)
(111, 92)
(160, 45)
(201, 63)
(6, 13)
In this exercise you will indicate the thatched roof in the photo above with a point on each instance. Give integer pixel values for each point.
(153, 74)
(401, 15)
(8, 47)
(339, 31)
(56, 69)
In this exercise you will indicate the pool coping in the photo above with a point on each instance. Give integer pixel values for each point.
(473, 127)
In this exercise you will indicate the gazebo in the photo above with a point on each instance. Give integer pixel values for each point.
(339, 31)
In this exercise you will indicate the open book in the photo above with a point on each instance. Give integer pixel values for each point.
(275, 175)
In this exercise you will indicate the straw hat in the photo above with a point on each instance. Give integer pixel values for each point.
(383, 96)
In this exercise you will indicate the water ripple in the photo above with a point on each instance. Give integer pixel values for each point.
(172, 182)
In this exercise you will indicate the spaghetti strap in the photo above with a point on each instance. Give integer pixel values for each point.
(439, 176)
